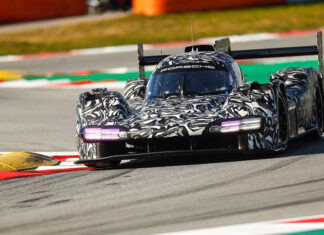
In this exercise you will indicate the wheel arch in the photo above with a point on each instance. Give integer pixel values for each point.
(135, 88)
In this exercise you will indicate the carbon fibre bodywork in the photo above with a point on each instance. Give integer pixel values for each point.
(185, 123)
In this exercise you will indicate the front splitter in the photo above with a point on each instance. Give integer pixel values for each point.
(103, 162)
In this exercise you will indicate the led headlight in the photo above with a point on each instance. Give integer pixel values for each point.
(93, 134)
(231, 126)
(250, 124)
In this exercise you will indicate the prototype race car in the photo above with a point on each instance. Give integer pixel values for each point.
(199, 101)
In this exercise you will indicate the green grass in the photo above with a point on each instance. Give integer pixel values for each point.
(172, 27)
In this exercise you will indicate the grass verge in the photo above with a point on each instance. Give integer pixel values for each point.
(172, 27)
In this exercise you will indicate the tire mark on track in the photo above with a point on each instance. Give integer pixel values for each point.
(59, 202)
(215, 214)
(200, 216)
(40, 180)
(274, 188)
(34, 199)
(215, 185)
(170, 195)
(113, 176)
(38, 192)
(184, 219)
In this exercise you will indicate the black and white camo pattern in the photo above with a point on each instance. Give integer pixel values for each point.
(102, 107)
(200, 59)
(300, 86)
(135, 88)
(190, 116)
(253, 101)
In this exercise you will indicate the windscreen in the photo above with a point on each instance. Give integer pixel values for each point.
(192, 82)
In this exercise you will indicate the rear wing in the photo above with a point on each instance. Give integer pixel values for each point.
(224, 46)
(285, 51)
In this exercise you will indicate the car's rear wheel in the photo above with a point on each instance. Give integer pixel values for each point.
(318, 114)
(283, 135)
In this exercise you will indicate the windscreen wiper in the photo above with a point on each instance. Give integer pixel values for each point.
(183, 84)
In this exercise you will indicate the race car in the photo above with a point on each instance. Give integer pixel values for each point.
(199, 101)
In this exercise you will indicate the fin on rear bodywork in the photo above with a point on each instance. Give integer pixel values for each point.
(223, 45)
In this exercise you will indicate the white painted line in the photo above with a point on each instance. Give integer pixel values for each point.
(260, 228)
(70, 160)
(127, 69)
(119, 70)
(59, 167)
(105, 50)
(253, 37)
(253, 229)
(243, 38)
(65, 164)
(69, 153)
(10, 58)
(24, 83)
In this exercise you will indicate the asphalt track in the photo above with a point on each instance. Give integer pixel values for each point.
(144, 197)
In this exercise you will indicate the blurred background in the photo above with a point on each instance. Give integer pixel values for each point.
(25, 10)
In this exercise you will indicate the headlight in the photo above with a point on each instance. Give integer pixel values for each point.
(230, 126)
(95, 134)
(250, 124)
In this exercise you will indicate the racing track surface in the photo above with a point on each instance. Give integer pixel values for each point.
(152, 196)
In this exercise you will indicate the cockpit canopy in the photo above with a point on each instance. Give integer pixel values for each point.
(194, 73)
(189, 82)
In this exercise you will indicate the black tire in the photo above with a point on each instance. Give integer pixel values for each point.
(105, 164)
(109, 149)
(318, 112)
(105, 150)
(283, 120)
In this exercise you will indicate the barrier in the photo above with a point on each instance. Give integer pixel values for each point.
(23, 10)
(157, 7)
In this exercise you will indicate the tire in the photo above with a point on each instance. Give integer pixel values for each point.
(283, 119)
(105, 150)
(104, 165)
(318, 113)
